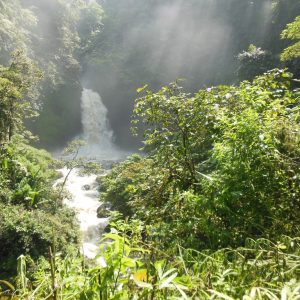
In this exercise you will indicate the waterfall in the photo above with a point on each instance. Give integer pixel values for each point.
(96, 130)
(97, 133)
(100, 145)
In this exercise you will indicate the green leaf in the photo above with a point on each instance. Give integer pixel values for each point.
(7, 284)
(141, 89)
(167, 281)
(143, 284)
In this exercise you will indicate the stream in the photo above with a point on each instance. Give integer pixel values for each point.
(85, 201)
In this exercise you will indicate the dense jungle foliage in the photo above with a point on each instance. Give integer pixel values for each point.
(31, 209)
(211, 205)
(211, 209)
(222, 165)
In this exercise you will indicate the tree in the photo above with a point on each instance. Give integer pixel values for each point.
(253, 62)
(18, 94)
(292, 32)
(222, 164)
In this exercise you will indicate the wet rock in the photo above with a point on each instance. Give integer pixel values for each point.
(103, 213)
(107, 229)
(103, 210)
(86, 187)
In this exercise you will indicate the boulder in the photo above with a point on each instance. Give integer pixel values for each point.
(86, 187)
(103, 210)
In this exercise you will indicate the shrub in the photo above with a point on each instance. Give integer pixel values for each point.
(222, 165)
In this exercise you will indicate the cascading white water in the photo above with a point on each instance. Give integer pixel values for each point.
(96, 130)
(84, 189)
(85, 201)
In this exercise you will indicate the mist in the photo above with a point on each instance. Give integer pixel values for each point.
(115, 46)
(157, 42)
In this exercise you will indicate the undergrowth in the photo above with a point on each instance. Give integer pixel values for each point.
(128, 268)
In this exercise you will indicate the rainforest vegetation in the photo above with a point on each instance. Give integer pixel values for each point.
(209, 208)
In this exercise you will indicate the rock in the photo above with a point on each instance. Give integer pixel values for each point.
(86, 187)
(107, 229)
(103, 210)
(103, 213)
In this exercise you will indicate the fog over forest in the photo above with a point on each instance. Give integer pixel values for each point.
(156, 42)
(114, 47)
